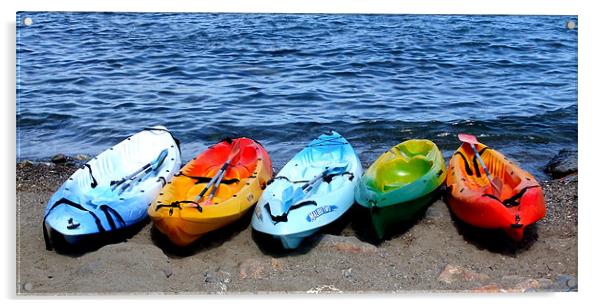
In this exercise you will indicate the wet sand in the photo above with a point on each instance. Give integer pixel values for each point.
(434, 253)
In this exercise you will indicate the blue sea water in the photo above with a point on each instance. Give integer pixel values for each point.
(85, 81)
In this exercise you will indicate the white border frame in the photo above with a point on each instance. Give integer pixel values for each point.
(589, 124)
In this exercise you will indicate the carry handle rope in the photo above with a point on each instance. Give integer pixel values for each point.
(284, 216)
(94, 182)
(176, 204)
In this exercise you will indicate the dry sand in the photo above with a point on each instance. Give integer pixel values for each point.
(435, 253)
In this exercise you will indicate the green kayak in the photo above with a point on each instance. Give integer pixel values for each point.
(400, 183)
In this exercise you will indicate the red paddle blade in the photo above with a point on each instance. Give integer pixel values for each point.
(468, 138)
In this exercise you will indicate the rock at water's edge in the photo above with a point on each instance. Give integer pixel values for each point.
(564, 163)
(59, 159)
(24, 163)
(82, 157)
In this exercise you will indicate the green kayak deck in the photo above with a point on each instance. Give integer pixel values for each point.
(400, 183)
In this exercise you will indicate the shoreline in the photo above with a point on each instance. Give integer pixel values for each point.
(436, 253)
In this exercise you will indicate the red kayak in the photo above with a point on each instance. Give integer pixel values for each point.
(472, 198)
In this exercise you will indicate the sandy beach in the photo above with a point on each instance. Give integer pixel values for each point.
(434, 253)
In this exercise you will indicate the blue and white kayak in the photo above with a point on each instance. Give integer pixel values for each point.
(312, 190)
(113, 190)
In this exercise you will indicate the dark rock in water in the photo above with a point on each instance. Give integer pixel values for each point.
(564, 163)
(59, 159)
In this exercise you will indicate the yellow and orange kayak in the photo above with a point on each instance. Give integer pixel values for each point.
(183, 219)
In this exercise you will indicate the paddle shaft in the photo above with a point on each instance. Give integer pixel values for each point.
(214, 190)
(318, 177)
(476, 153)
(132, 175)
(209, 184)
(157, 162)
(315, 179)
(217, 178)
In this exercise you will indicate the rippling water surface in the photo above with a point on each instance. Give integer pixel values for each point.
(88, 80)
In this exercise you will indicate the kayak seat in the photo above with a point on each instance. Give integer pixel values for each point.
(399, 172)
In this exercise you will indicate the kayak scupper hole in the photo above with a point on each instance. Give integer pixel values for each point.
(141, 191)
